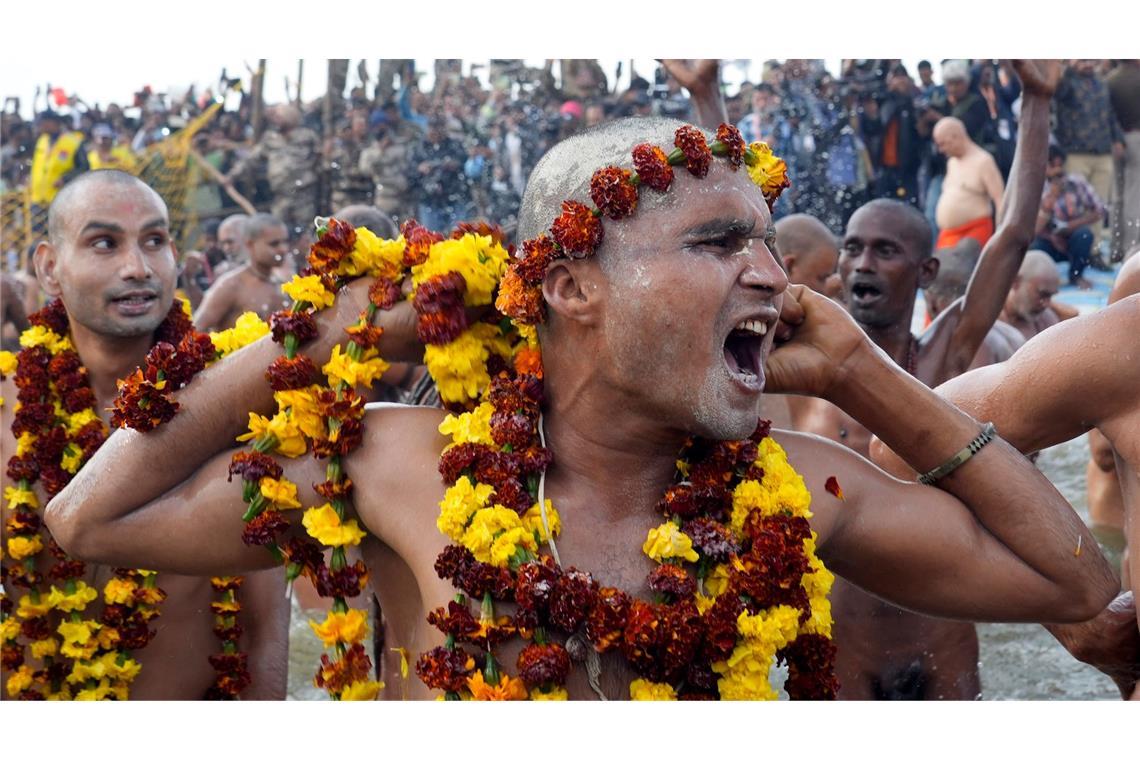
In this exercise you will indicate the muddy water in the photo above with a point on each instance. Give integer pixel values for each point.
(1017, 661)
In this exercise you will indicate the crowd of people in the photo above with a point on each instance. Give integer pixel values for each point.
(970, 191)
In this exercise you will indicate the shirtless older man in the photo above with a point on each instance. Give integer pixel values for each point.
(972, 183)
(253, 286)
(109, 257)
(956, 267)
(671, 282)
(1029, 306)
(885, 652)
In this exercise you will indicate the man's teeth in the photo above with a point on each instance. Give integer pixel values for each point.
(753, 326)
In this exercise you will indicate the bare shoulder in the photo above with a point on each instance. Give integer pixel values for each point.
(1127, 280)
(818, 461)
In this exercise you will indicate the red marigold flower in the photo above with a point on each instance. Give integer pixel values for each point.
(11, 655)
(652, 166)
(479, 578)
(541, 664)
(681, 637)
(720, 626)
(230, 664)
(305, 553)
(577, 230)
(286, 374)
(733, 142)
(536, 459)
(300, 324)
(445, 669)
(364, 335)
(811, 667)
(64, 363)
(54, 479)
(613, 192)
(456, 620)
(78, 400)
(679, 500)
(67, 570)
(607, 618)
(264, 529)
(174, 326)
(702, 677)
(330, 489)
(330, 249)
(134, 635)
(37, 628)
(23, 468)
(349, 437)
(457, 459)
(417, 242)
(570, 599)
(537, 254)
(712, 539)
(440, 328)
(451, 561)
(347, 582)
(516, 430)
(53, 316)
(251, 465)
(693, 144)
(642, 639)
(498, 467)
(384, 293)
(793, 530)
(513, 495)
(439, 305)
(347, 405)
(493, 231)
(671, 579)
(23, 521)
(534, 584)
(141, 406)
(32, 418)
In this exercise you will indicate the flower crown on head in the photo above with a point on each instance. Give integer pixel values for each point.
(577, 232)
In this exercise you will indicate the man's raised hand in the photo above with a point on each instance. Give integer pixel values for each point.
(697, 76)
(1038, 76)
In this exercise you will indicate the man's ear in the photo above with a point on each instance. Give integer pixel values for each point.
(572, 291)
(928, 271)
(46, 257)
(789, 262)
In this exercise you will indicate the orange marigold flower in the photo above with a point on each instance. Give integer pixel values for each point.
(364, 335)
(528, 361)
(733, 142)
(652, 166)
(577, 230)
(519, 300)
(613, 192)
(445, 669)
(693, 144)
(507, 689)
(493, 231)
(384, 293)
(540, 664)
(354, 665)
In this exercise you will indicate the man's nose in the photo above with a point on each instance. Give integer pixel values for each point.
(763, 271)
(134, 265)
(865, 260)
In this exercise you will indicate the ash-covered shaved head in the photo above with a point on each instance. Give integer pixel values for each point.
(564, 172)
(1037, 264)
(801, 234)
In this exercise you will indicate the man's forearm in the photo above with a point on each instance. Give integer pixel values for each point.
(1007, 495)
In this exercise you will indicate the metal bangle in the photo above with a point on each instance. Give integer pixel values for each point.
(989, 432)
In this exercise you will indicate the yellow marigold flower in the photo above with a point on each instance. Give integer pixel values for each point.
(79, 640)
(403, 660)
(309, 289)
(303, 409)
(341, 628)
(81, 671)
(29, 609)
(469, 427)
(532, 519)
(248, 328)
(9, 629)
(20, 547)
(45, 647)
(19, 680)
(75, 601)
(642, 690)
(556, 694)
(323, 524)
(187, 309)
(342, 367)
(42, 336)
(477, 258)
(460, 367)
(507, 689)
(148, 595)
(15, 496)
(373, 256)
(667, 541)
(81, 419)
(108, 638)
(7, 362)
(495, 534)
(96, 693)
(126, 672)
(745, 674)
(281, 493)
(25, 442)
(290, 440)
(460, 502)
(119, 591)
(766, 169)
(71, 460)
(361, 691)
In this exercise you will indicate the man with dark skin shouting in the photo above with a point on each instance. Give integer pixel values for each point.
(885, 257)
(109, 256)
(992, 541)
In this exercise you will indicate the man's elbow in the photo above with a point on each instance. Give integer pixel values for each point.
(68, 529)
(1089, 599)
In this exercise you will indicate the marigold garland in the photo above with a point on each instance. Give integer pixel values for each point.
(57, 430)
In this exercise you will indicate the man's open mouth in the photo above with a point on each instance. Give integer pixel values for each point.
(743, 351)
(865, 293)
(135, 302)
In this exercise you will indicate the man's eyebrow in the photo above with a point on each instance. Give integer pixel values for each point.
(101, 226)
(725, 225)
(158, 221)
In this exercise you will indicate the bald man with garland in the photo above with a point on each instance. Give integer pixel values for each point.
(109, 257)
(991, 541)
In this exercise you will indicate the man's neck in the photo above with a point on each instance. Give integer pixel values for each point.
(620, 461)
(895, 339)
(265, 275)
(108, 359)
